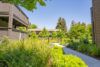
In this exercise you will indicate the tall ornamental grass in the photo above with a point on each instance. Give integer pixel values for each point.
(30, 53)
(36, 53)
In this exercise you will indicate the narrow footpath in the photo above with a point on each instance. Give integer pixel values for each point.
(91, 62)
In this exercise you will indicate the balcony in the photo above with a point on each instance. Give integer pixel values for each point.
(18, 14)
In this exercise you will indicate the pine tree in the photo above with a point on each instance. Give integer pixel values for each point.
(61, 25)
(73, 23)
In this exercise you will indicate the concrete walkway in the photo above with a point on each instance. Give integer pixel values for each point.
(91, 62)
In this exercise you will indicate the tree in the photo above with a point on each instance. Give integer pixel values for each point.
(89, 26)
(73, 23)
(77, 30)
(61, 34)
(27, 4)
(33, 26)
(34, 35)
(54, 34)
(83, 23)
(44, 33)
(29, 33)
(61, 25)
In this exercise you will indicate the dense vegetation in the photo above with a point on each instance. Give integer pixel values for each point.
(85, 46)
(78, 29)
(35, 53)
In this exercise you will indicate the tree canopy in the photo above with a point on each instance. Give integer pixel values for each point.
(33, 26)
(27, 4)
(54, 34)
(44, 33)
(61, 34)
(61, 25)
(77, 30)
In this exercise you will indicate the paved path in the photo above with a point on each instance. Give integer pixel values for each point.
(91, 62)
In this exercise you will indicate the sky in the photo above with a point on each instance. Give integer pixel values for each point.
(77, 10)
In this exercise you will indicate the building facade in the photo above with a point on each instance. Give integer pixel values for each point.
(40, 30)
(95, 10)
(12, 17)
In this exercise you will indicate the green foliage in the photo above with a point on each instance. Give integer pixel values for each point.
(77, 30)
(22, 28)
(61, 25)
(61, 60)
(84, 38)
(31, 53)
(29, 33)
(54, 34)
(58, 50)
(44, 33)
(83, 48)
(73, 45)
(95, 51)
(28, 4)
(89, 26)
(5, 40)
(61, 34)
(68, 61)
(34, 35)
(36, 53)
(33, 26)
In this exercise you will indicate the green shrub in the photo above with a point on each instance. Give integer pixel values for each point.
(73, 45)
(34, 35)
(83, 48)
(95, 51)
(85, 41)
(5, 40)
(58, 50)
(61, 60)
(36, 53)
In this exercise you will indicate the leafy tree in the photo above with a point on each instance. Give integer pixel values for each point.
(54, 34)
(61, 25)
(29, 33)
(61, 34)
(77, 30)
(28, 4)
(44, 33)
(89, 26)
(33, 26)
(34, 35)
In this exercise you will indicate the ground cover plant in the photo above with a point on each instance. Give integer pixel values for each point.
(85, 46)
(62, 60)
(36, 53)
